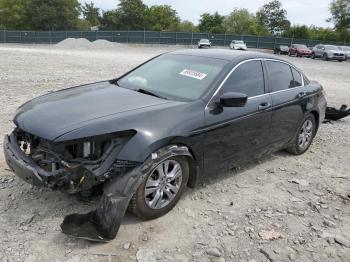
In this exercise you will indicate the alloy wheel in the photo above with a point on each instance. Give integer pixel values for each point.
(306, 133)
(163, 184)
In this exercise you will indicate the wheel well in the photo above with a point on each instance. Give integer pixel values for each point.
(317, 118)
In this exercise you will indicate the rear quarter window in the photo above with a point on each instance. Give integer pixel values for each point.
(297, 78)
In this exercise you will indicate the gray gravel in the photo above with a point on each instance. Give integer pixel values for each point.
(280, 208)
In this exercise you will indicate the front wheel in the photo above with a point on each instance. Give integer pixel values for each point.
(161, 189)
(313, 56)
(304, 137)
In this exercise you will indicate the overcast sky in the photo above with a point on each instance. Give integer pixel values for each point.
(309, 12)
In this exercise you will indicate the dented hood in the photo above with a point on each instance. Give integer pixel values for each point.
(50, 116)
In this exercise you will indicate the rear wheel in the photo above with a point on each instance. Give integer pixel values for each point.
(161, 189)
(304, 137)
(325, 57)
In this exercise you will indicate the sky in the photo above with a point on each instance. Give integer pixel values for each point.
(309, 12)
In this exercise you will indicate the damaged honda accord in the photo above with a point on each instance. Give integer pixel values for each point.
(142, 138)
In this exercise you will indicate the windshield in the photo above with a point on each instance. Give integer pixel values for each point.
(332, 47)
(345, 48)
(301, 46)
(238, 42)
(177, 77)
(204, 41)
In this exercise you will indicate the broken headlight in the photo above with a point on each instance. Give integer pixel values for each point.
(93, 149)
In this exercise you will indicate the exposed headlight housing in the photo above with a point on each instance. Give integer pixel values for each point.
(94, 148)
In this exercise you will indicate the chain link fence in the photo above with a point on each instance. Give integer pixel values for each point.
(153, 37)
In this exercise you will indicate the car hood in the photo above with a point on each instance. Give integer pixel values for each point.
(52, 115)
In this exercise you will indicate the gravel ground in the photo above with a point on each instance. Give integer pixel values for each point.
(280, 208)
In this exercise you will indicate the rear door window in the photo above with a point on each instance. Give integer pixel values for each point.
(248, 78)
(280, 76)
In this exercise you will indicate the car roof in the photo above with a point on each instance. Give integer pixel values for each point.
(225, 54)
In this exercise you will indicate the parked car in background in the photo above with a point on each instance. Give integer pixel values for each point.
(299, 50)
(328, 52)
(204, 43)
(281, 50)
(346, 50)
(238, 45)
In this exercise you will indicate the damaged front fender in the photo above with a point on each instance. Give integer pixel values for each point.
(102, 225)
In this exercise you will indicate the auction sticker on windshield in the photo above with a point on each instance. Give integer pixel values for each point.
(193, 74)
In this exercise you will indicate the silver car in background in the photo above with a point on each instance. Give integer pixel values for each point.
(204, 43)
(238, 45)
(328, 52)
(346, 50)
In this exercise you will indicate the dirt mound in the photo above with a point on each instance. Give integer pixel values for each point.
(75, 43)
(83, 44)
(103, 44)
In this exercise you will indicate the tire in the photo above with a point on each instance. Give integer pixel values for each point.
(340, 60)
(313, 56)
(325, 57)
(140, 204)
(296, 147)
(289, 54)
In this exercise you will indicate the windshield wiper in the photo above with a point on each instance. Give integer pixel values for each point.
(146, 92)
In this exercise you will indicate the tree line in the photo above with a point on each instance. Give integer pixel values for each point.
(270, 19)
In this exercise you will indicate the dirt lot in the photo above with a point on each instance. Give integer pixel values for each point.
(280, 208)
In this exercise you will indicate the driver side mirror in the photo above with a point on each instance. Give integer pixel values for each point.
(233, 99)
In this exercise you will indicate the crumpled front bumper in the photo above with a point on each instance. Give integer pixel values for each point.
(22, 165)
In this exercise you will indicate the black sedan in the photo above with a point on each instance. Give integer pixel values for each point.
(143, 137)
(281, 50)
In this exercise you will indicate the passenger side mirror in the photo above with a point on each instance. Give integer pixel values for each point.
(233, 99)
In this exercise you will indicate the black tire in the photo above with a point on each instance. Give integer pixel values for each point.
(289, 54)
(325, 57)
(138, 205)
(313, 56)
(340, 60)
(295, 148)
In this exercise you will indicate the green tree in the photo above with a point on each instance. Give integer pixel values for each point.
(340, 14)
(91, 14)
(161, 17)
(273, 16)
(187, 26)
(297, 31)
(12, 14)
(52, 14)
(240, 21)
(324, 34)
(132, 14)
(211, 23)
(111, 20)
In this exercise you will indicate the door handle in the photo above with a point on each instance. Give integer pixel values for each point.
(264, 106)
(301, 95)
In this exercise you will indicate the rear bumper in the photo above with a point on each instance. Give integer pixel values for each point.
(22, 165)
